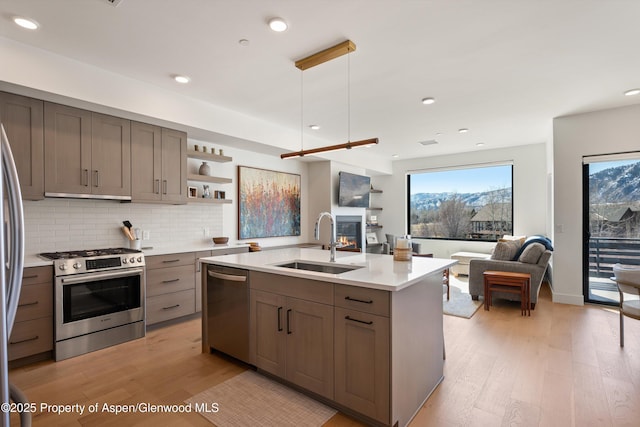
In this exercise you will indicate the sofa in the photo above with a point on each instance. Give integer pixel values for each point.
(531, 256)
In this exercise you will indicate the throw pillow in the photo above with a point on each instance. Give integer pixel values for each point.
(507, 238)
(534, 239)
(505, 251)
(532, 253)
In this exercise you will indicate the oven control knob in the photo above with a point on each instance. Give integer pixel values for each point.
(124, 260)
(139, 259)
(132, 260)
(63, 266)
(77, 265)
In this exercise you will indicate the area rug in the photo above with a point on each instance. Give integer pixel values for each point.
(250, 399)
(460, 303)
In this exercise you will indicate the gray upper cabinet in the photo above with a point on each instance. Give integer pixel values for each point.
(86, 153)
(22, 118)
(110, 155)
(159, 159)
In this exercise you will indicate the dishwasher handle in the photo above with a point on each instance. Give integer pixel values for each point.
(230, 277)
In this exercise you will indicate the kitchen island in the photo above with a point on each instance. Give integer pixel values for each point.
(367, 340)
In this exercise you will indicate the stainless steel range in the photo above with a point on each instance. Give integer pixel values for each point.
(99, 299)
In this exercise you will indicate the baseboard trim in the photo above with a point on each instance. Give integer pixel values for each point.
(567, 298)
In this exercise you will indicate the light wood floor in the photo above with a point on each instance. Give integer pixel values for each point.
(560, 367)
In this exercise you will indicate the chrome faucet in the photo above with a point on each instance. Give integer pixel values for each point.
(333, 243)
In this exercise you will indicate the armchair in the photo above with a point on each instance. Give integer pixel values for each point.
(537, 270)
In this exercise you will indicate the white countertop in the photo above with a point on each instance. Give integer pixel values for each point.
(377, 272)
(33, 260)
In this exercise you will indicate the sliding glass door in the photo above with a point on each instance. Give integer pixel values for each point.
(611, 219)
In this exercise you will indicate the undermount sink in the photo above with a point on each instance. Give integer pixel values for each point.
(321, 268)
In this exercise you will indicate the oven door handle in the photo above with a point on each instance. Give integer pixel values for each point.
(100, 276)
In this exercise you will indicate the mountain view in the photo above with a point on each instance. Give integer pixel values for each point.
(484, 215)
(614, 200)
(619, 184)
(432, 201)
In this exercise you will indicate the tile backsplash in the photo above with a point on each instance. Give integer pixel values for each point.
(71, 224)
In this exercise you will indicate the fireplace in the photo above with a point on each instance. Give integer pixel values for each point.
(349, 231)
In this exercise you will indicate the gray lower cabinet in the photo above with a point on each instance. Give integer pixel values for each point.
(333, 340)
(23, 120)
(32, 332)
(86, 152)
(159, 159)
(362, 351)
(171, 289)
(291, 330)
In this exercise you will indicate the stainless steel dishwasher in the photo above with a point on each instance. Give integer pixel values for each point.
(228, 311)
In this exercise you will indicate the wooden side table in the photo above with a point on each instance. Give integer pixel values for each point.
(505, 281)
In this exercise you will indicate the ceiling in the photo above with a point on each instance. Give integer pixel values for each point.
(501, 68)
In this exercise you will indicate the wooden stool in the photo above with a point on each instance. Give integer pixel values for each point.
(505, 281)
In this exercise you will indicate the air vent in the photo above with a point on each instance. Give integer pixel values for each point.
(429, 142)
(114, 3)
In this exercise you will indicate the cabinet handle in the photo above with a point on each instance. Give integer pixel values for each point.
(279, 319)
(164, 186)
(358, 300)
(25, 340)
(289, 322)
(170, 307)
(96, 175)
(35, 276)
(27, 304)
(85, 177)
(157, 186)
(170, 280)
(359, 321)
(170, 260)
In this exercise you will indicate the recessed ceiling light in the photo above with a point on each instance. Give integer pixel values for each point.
(438, 133)
(463, 130)
(428, 101)
(632, 92)
(278, 25)
(480, 144)
(314, 127)
(27, 23)
(243, 42)
(182, 79)
(395, 156)
(428, 142)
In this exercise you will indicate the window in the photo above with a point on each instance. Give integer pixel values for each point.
(473, 203)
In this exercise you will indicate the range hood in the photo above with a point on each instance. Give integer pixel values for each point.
(88, 196)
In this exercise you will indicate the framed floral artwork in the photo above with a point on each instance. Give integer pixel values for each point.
(268, 203)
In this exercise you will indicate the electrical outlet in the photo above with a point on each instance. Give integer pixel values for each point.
(205, 231)
(146, 234)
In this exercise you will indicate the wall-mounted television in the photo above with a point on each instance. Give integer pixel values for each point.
(354, 190)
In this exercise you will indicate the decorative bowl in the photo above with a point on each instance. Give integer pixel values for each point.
(220, 240)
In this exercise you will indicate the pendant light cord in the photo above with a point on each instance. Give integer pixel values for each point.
(301, 111)
(349, 97)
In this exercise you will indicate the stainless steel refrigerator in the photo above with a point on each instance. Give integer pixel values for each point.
(12, 257)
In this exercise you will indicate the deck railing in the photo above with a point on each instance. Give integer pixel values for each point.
(604, 252)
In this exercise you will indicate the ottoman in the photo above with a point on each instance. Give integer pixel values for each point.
(463, 258)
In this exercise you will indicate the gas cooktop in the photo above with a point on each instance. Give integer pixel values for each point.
(88, 253)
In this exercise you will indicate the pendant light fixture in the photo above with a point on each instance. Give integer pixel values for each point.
(318, 58)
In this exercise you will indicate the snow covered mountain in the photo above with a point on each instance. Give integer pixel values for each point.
(428, 201)
(619, 184)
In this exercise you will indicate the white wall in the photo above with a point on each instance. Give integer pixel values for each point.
(530, 204)
(323, 196)
(70, 224)
(601, 132)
